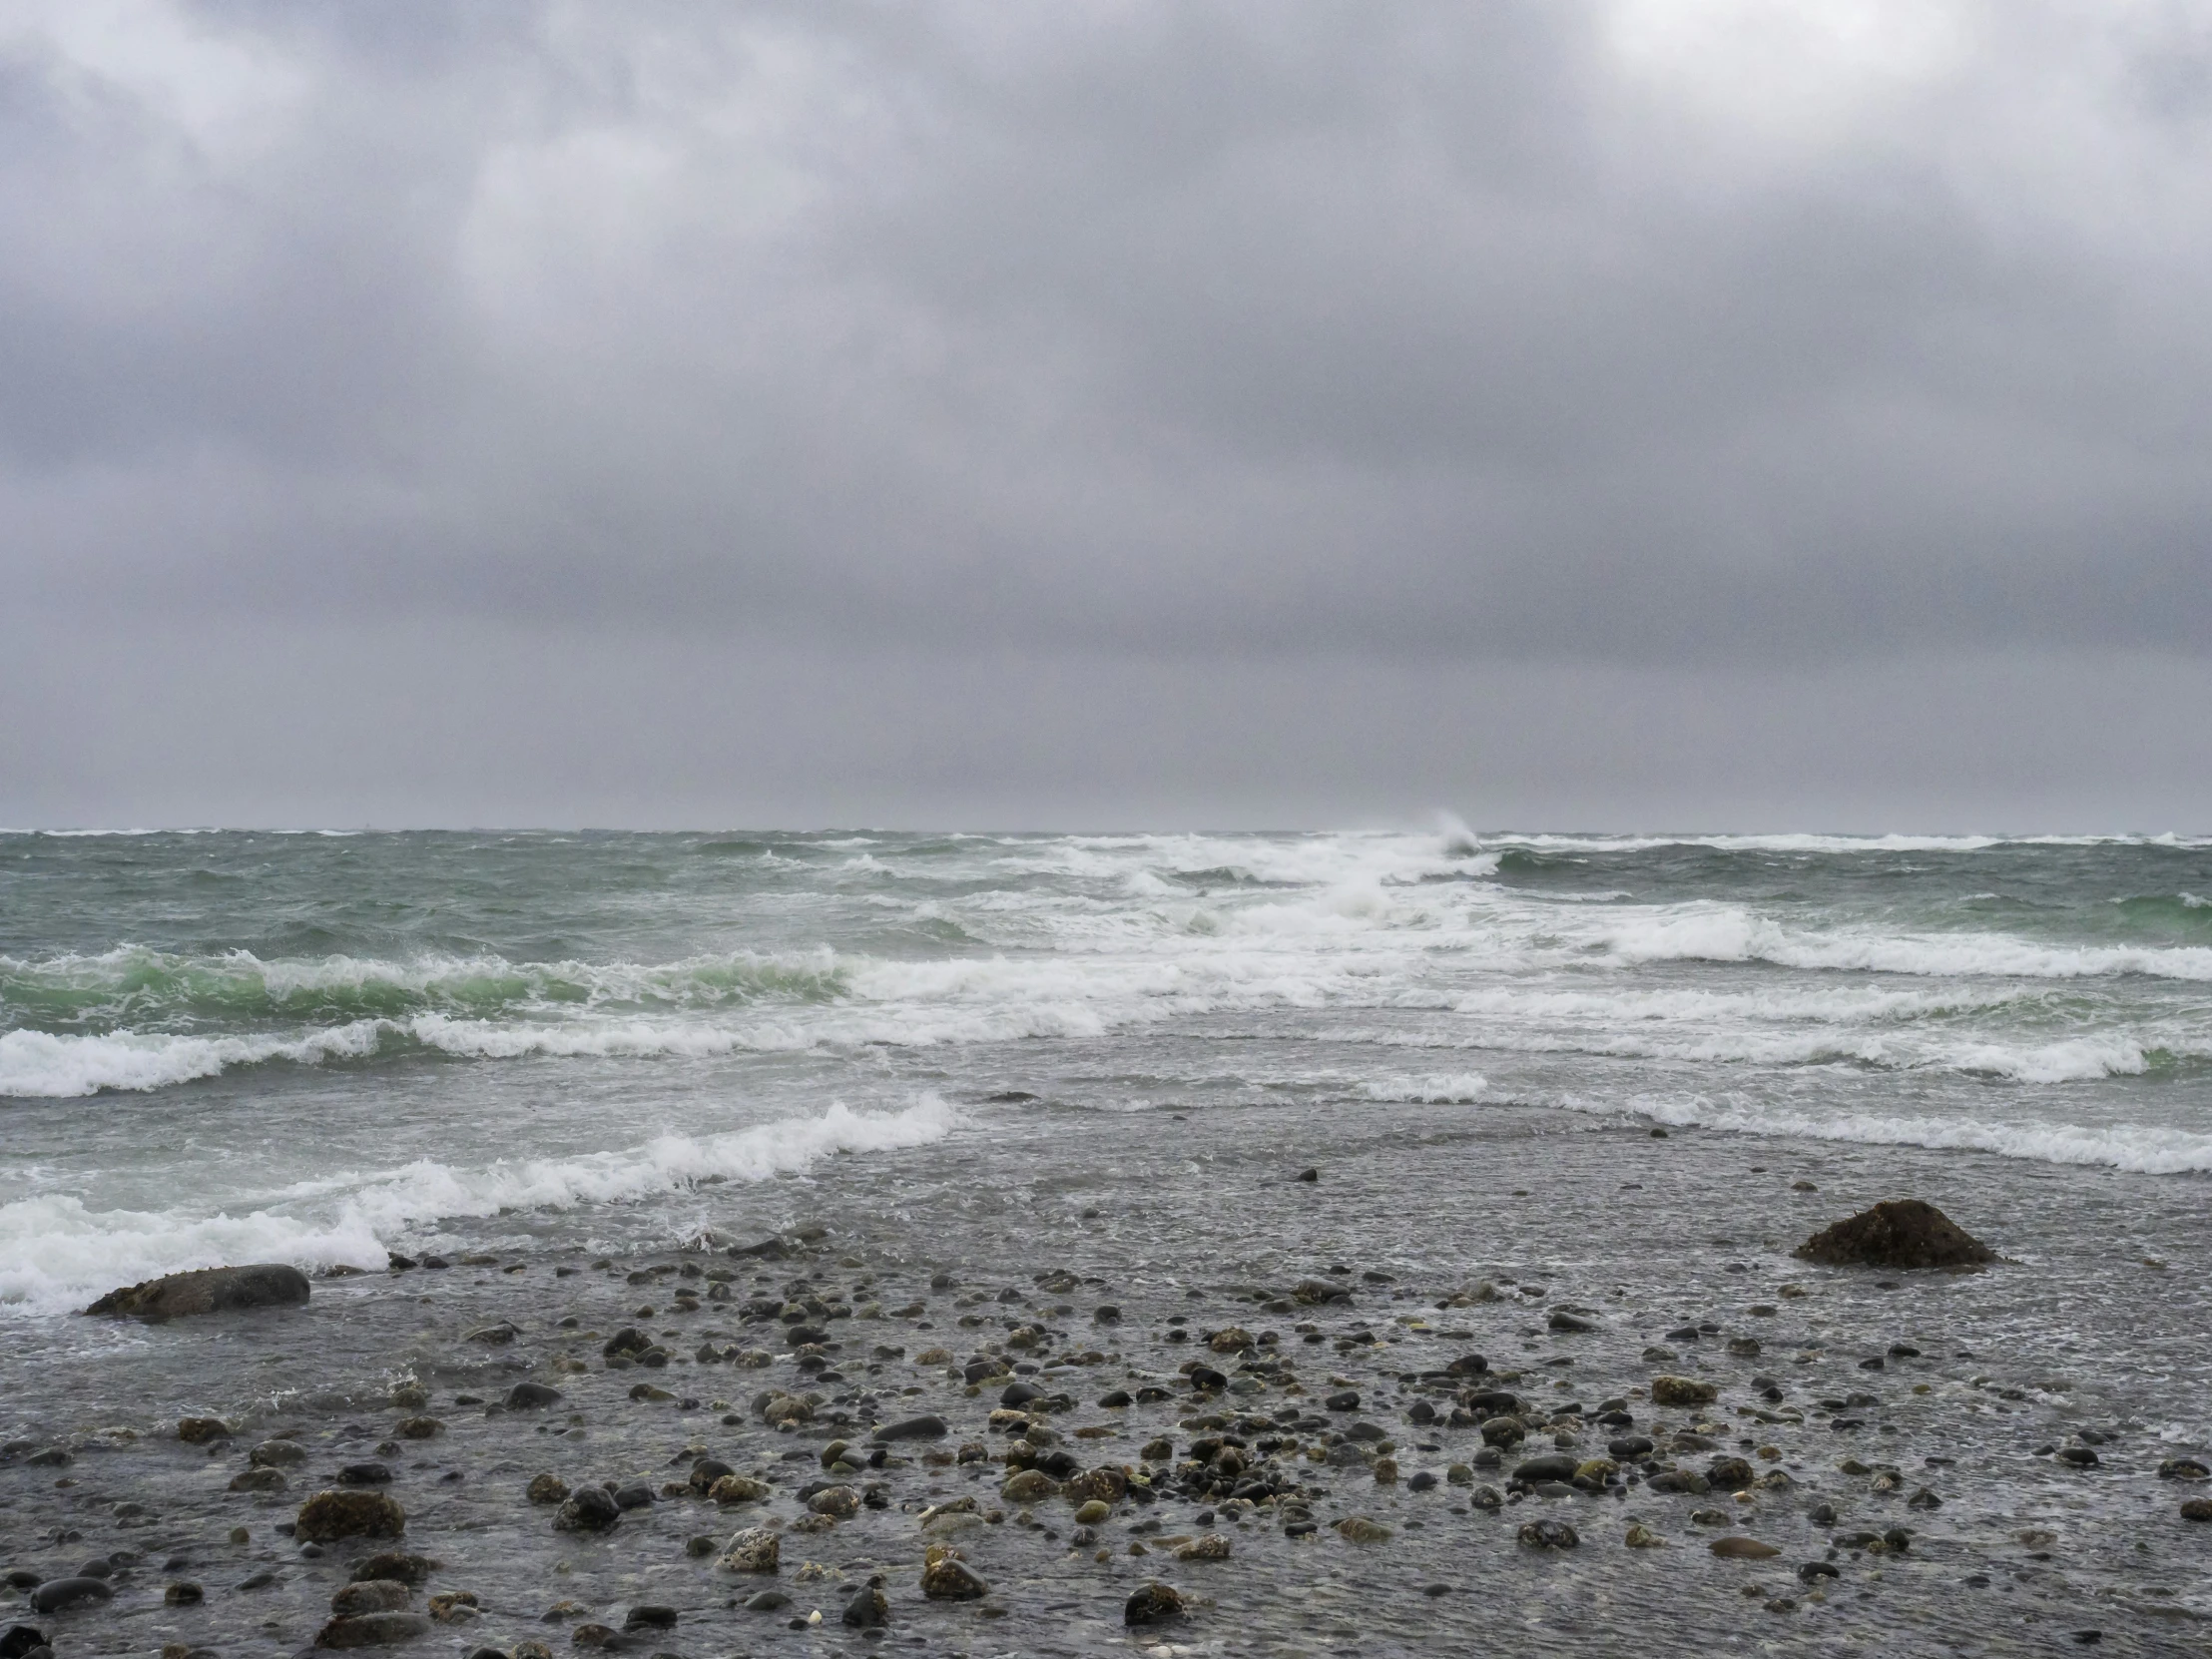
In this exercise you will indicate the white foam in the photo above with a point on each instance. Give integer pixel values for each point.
(1457, 1089)
(2140, 1148)
(38, 1064)
(1730, 933)
(55, 1253)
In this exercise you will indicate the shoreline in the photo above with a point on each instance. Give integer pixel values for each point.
(1367, 1524)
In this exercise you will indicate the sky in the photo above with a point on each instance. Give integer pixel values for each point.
(1570, 414)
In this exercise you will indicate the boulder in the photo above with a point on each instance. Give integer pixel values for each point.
(209, 1291)
(1896, 1233)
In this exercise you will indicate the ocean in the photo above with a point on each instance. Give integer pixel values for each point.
(321, 1047)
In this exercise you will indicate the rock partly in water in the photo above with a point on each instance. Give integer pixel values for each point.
(328, 1516)
(1152, 1604)
(756, 1549)
(1682, 1391)
(208, 1290)
(1744, 1549)
(372, 1630)
(946, 1577)
(1897, 1232)
(58, 1593)
(370, 1595)
(588, 1509)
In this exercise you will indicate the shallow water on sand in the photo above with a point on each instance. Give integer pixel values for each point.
(1185, 1220)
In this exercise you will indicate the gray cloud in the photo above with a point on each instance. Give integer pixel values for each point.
(1661, 337)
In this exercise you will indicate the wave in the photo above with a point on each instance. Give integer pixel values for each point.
(55, 1252)
(1809, 842)
(1458, 1090)
(1727, 934)
(145, 987)
(2138, 1148)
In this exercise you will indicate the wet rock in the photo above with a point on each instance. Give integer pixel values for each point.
(1360, 1529)
(2079, 1456)
(277, 1454)
(766, 1601)
(1569, 1324)
(649, 1616)
(370, 1595)
(202, 1430)
(1318, 1291)
(837, 1502)
(494, 1336)
(1548, 1534)
(756, 1549)
(183, 1593)
(532, 1397)
(588, 1509)
(21, 1640)
(1152, 1603)
(2182, 1468)
(911, 1428)
(328, 1516)
(366, 1475)
(946, 1577)
(1897, 1232)
(1730, 1474)
(1104, 1484)
(1682, 1391)
(704, 1471)
(636, 1496)
(1556, 1466)
(257, 1481)
(1641, 1536)
(2197, 1510)
(372, 1630)
(1028, 1486)
(419, 1428)
(55, 1594)
(401, 1570)
(1213, 1546)
(870, 1608)
(1234, 1339)
(1744, 1549)
(733, 1489)
(547, 1489)
(208, 1290)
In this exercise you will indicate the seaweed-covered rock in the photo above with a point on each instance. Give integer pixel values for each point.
(1896, 1233)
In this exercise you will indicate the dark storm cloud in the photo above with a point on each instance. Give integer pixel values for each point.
(1514, 328)
(1155, 370)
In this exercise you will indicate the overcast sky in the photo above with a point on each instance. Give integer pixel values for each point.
(1625, 413)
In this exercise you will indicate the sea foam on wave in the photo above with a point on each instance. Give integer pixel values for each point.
(1727, 934)
(2140, 1148)
(55, 1252)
